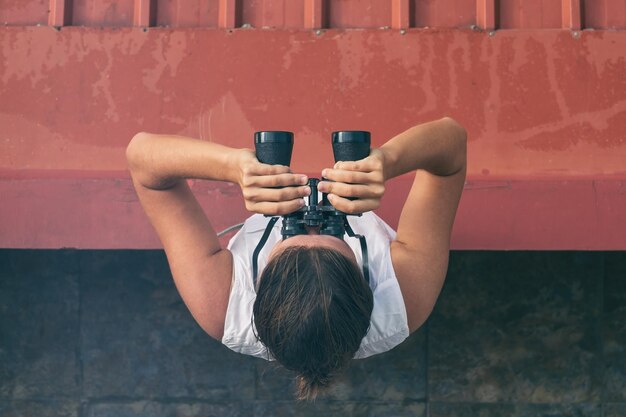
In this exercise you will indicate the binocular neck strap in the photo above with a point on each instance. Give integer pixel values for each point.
(268, 230)
(257, 250)
(366, 269)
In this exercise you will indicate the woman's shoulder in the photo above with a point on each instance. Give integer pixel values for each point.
(389, 326)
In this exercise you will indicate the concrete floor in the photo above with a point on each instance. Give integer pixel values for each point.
(104, 333)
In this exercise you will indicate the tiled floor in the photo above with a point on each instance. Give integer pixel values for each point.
(104, 333)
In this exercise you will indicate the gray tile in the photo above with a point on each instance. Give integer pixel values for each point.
(518, 327)
(274, 382)
(397, 375)
(302, 409)
(393, 409)
(39, 324)
(29, 408)
(339, 409)
(614, 325)
(438, 409)
(157, 409)
(139, 339)
(614, 409)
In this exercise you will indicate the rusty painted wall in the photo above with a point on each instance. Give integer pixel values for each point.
(509, 14)
(545, 109)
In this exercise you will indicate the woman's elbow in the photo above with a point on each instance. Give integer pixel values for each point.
(134, 150)
(458, 145)
(459, 131)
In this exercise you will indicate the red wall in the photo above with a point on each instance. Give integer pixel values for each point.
(545, 109)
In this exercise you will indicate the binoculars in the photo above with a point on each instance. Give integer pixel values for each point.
(275, 148)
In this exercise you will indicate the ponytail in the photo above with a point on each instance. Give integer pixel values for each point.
(308, 387)
(312, 310)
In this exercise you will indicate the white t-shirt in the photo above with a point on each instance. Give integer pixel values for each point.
(388, 325)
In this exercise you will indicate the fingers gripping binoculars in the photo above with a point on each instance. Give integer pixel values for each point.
(274, 148)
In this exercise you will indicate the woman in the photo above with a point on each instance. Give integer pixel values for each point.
(312, 310)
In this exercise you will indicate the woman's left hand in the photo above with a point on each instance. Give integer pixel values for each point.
(363, 180)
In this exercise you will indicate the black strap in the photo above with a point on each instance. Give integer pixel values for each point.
(366, 270)
(257, 250)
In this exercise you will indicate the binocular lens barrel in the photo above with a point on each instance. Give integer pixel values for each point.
(351, 145)
(273, 147)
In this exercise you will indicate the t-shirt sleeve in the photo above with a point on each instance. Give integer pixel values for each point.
(239, 332)
(388, 326)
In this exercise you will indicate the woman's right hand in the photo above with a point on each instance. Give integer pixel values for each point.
(269, 189)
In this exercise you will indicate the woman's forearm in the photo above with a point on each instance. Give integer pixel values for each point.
(438, 147)
(158, 161)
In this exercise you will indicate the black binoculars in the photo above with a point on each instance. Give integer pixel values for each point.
(275, 148)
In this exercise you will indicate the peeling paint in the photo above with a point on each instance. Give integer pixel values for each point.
(167, 54)
(534, 103)
(27, 150)
(294, 48)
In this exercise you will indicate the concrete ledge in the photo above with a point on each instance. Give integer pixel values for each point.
(104, 213)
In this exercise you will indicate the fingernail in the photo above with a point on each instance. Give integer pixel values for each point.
(302, 202)
(307, 191)
(324, 172)
(303, 179)
(321, 186)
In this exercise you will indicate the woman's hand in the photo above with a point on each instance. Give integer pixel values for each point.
(362, 179)
(269, 189)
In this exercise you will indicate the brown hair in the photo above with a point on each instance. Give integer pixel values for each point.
(313, 308)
